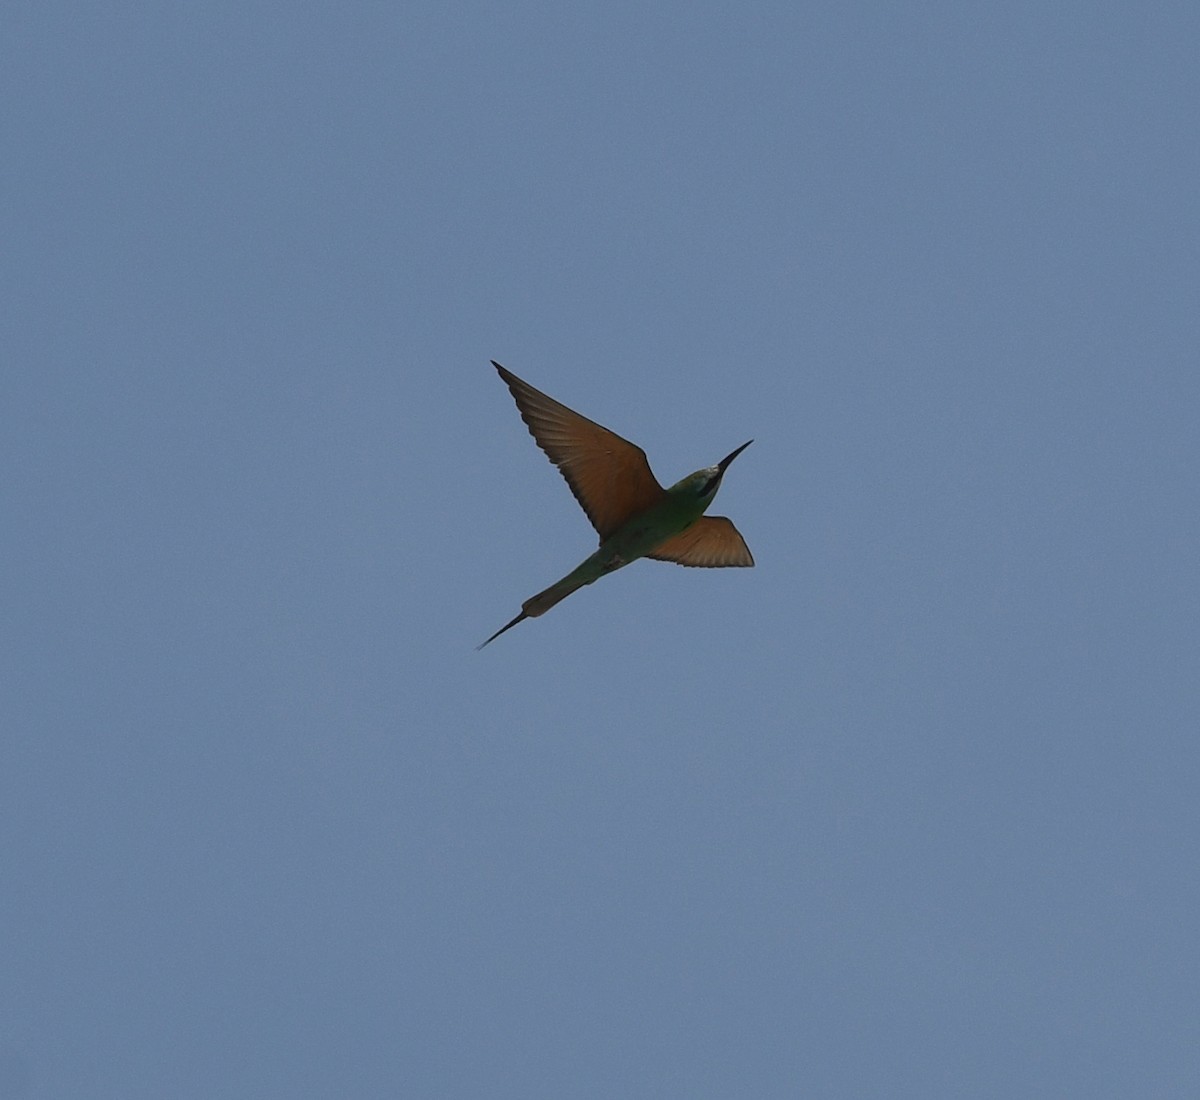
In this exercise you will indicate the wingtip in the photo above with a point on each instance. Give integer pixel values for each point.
(506, 376)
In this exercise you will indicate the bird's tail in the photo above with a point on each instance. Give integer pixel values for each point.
(546, 599)
(542, 602)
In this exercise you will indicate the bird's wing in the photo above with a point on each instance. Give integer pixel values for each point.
(609, 476)
(711, 541)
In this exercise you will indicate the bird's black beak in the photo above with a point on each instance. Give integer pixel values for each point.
(730, 457)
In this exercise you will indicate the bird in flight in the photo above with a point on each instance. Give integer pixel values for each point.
(634, 516)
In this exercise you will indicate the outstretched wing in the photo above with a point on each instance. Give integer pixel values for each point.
(711, 541)
(609, 476)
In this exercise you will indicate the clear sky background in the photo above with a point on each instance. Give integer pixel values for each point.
(910, 809)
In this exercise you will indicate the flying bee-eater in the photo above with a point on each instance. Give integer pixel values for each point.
(634, 516)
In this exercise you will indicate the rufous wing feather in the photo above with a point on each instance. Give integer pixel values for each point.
(609, 476)
(711, 542)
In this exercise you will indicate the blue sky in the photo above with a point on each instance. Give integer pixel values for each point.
(909, 809)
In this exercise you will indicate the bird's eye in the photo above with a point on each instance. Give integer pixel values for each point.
(709, 486)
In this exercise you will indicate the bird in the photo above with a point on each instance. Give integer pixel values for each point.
(634, 516)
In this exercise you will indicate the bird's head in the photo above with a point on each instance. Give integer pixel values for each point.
(705, 483)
